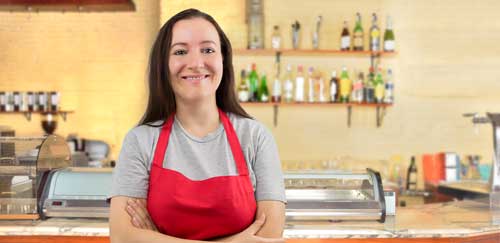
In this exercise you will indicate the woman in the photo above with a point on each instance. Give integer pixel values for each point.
(197, 167)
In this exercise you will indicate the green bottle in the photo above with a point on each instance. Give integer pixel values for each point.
(345, 86)
(263, 91)
(358, 34)
(253, 79)
(389, 36)
(379, 87)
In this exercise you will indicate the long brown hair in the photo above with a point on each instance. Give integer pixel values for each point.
(161, 100)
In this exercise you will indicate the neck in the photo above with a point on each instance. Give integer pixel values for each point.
(199, 119)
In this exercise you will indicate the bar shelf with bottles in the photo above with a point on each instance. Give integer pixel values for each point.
(313, 89)
(313, 52)
(28, 103)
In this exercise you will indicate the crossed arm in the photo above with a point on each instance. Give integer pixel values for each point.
(130, 223)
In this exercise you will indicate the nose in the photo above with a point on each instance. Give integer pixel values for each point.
(195, 60)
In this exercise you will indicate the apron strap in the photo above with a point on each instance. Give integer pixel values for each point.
(232, 138)
(162, 143)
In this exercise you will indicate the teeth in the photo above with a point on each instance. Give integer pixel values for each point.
(194, 77)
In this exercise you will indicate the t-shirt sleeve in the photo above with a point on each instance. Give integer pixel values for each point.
(131, 174)
(267, 168)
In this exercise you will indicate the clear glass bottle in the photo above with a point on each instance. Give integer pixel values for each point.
(276, 38)
(389, 88)
(299, 84)
(255, 23)
(276, 95)
(243, 92)
(374, 34)
(310, 85)
(288, 85)
(357, 89)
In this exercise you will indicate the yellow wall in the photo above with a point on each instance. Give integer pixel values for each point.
(445, 66)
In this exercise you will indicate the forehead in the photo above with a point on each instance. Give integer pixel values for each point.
(194, 30)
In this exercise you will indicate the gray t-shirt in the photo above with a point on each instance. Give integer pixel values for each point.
(200, 158)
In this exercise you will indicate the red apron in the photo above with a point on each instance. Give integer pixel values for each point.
(200, 210)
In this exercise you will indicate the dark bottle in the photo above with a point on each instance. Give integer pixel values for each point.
(334, 87)
(345, 39)
(3, 101)
(54, 101)
(253, 79)
(368, 88)
(31, 101)
(42, 101)
(17, 101)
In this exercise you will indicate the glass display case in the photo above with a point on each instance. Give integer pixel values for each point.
(24, 165)
(335, 195)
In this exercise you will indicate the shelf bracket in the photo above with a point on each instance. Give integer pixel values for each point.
(380, 114)
(63, 115)
(349, 113)
(27, 115)
(275, 115)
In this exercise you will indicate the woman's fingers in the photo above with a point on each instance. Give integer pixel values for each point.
(270, 240)
(140, 214)
(137, 215)
(256, 225)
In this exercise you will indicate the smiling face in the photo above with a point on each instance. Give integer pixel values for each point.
(195, 60)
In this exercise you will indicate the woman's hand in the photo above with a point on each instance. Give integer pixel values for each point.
(249, 234)
(139, 215)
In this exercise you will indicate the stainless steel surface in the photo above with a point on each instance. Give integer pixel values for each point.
(77, 212)
(494, 119)
(333, 195)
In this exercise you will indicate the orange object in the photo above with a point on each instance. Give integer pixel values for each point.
(434, 170)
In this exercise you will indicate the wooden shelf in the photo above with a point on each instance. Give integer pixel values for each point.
(28, 114)
(310, 52)
(380, 108)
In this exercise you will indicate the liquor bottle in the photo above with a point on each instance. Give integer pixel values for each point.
(255, 22)
(310, 85)
(263, 91)
(276, 97)
(288, 85)
(320, 87)
(299, 85)
(389, 36)
(345, 86)
(345, 39)
(369, 91)
(334, 86)
(276, 38)
(374, 34)
(358, 34)
(253, 79)
(379, 87)
(389, 88)
(357, 89)
(243, 93)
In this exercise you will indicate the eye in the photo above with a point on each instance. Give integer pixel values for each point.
(180, 52)
(207, 50)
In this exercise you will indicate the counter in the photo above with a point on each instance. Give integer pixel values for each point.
(461, 221)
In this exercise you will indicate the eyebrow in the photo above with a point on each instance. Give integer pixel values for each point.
(185, 44)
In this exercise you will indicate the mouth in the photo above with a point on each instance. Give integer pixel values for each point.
(195, 77)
